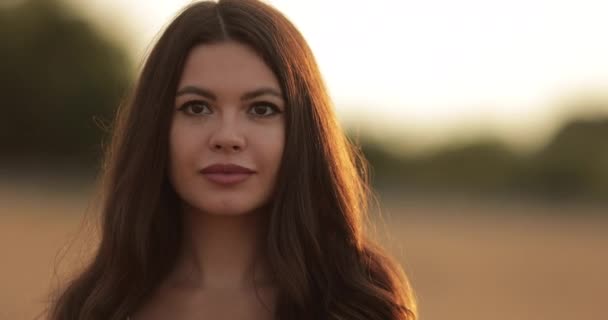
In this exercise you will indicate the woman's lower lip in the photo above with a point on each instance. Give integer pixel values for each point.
(227, 178)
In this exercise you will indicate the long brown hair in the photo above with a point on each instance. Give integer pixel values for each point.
(325, 265)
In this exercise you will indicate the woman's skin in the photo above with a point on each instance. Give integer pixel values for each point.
(229, 108)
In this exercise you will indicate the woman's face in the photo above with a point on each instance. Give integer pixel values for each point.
(229, 110)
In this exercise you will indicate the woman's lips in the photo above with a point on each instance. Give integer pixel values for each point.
(227, 178)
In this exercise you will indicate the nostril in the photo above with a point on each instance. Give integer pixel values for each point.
(234, 148)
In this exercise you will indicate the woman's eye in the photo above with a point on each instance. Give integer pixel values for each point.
(264, 109)
(195, 108)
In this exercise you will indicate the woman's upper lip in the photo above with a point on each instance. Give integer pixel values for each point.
(226, 168)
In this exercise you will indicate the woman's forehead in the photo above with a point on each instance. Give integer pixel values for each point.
(228, 66)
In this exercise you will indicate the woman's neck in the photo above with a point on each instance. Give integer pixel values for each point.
(221, 251)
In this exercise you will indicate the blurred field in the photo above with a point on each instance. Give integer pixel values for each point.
(469, 260)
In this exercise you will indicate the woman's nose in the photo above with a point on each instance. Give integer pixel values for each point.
(227, 136)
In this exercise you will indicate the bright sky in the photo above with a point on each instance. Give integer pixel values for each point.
(426, 71)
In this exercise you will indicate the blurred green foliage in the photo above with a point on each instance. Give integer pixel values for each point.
(572, 166)
(60, 80)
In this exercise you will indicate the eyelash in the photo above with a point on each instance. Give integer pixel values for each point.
(273, 107)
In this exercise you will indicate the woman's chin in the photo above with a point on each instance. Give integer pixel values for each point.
(224, 206)
(230, 212)
(227, 209)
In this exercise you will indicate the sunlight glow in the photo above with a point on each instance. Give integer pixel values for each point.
(432, 67)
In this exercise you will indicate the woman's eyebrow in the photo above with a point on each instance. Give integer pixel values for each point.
(196, 90)
(260, 92)
(246, 96)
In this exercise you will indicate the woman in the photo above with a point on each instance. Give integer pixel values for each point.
(229, 189)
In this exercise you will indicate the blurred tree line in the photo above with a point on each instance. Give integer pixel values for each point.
(61, 82)
(572, 166)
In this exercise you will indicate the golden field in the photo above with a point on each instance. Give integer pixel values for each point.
(473, 260)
